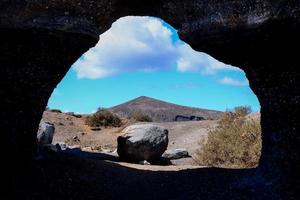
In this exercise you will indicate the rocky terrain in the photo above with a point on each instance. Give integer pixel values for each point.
(188, 135)
(73, 131)
(99, 172)
(161, 111)
(184, 138)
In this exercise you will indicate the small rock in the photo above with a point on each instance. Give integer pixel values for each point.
(62, 146)
(45, 133)
(96, 129)
(76, 139)
(144, 162)
(74, 148)
(176, 154)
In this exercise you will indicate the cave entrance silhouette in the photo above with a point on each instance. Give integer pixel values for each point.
(47, 37)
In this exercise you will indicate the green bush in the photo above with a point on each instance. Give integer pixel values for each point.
(235, 143)
(103, 118)
(141, 117)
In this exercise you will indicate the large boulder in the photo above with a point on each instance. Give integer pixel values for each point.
(142, 142)
(45, 133)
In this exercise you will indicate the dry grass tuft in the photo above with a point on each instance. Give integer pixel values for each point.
(103, 118)
(235, 143)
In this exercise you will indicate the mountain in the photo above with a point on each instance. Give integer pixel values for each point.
(161, 111)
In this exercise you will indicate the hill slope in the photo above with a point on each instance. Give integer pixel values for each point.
(161, 111)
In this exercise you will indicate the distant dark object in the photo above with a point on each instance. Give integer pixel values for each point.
(55, 110)
(101, 109)
(96, 129)
(188, 118)
(74, 115)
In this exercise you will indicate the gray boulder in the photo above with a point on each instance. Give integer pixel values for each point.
(142, 142)
(45, 133)
(176, 154)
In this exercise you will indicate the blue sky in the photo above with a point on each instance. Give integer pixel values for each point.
(143, 56)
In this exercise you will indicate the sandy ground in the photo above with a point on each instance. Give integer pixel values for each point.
(189, 135)
(68, 127)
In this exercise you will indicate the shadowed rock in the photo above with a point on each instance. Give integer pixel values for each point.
(45, 133)
(176, 154)
(142, 142)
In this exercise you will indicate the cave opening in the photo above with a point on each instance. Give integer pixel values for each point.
(40, 40)
(141, 72)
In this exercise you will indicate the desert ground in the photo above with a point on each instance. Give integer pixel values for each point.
(73, 131)
(97, 171)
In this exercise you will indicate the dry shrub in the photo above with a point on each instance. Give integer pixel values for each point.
(139, 116)
(235, 143)
(103, 118)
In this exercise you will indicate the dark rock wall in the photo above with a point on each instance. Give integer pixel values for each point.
(33, 62)
(39, 40)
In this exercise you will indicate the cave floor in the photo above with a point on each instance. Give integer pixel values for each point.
(61, 176)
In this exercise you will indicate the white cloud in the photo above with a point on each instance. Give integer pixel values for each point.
(233, 82)
(142, 44)
(191, 60)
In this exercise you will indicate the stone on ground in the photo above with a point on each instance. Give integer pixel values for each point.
(45, 133)
(142, 142)
(176, 154)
